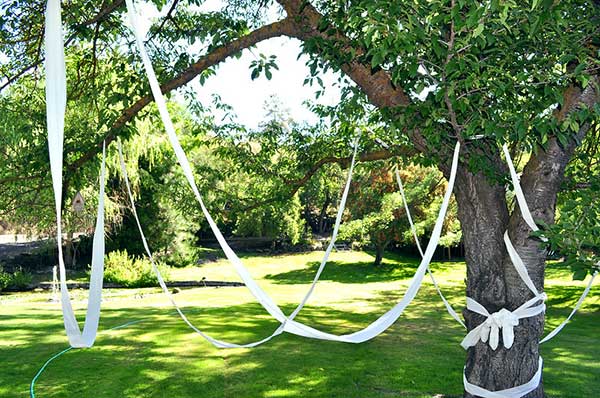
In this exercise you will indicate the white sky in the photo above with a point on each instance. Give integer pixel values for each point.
(232, 80)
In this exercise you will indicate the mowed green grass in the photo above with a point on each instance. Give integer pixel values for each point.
(160, 356)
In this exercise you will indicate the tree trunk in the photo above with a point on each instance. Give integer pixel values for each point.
(309, 218)
(322, 221)
(69, 255)
(493, 282)
(379, 252)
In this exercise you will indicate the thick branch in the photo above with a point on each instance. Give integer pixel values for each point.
(301, 22)
(377, 85)
(218, 55)
(544, 172)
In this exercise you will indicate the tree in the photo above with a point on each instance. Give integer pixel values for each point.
(376, 213)
(319, 197)
(521, 74)
(376, 228)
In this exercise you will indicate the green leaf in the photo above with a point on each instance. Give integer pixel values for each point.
(377, 59)
(574, 125)
(478, 30)
(580, 274)
(562, 138)
(583, 80)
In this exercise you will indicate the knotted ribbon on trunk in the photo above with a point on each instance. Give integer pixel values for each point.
(505, 320)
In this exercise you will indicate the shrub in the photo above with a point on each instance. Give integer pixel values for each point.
(18, 280)
(4, 279)
(131, 271)
(183, 252)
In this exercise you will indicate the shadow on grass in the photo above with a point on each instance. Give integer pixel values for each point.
(393, 268)
(360, 272)
(161, 357)
(566, 296)
(419, 356)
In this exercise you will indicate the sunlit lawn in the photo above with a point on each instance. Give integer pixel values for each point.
(420, 356)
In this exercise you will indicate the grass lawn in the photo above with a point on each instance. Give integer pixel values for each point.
(160, 356)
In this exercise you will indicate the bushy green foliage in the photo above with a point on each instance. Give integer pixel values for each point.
(283, 221)
(374, 226)
(18, 280)
(130, 271)
(378, 217)
(575, 236)
(4, 279)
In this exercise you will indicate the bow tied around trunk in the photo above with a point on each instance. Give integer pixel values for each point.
(505, 320)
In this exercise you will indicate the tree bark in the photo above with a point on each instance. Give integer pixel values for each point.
(322, 221)
(380, 247)
(379, 250)
(484, 216)
(69, 254)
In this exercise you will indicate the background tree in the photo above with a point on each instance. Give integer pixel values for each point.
(377, 217)
(320, 196)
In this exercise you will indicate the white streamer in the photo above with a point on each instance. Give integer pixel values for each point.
(577, 306)
(416, 238)
(504, 320)
(289, 325)
(514, 392)
(519, 193)
(519, 264)
(56, 99)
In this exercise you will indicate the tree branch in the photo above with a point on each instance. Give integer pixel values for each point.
(377, 85)
(302, 22)
(544, 172)
(344, 162)
(453, 119)
(218, 55)
(102, 14)
(165, 19)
